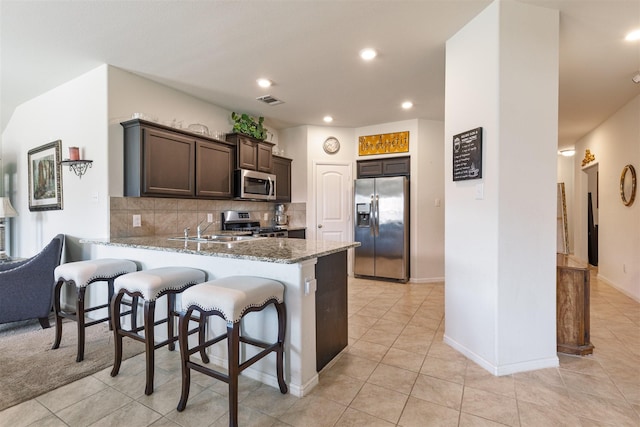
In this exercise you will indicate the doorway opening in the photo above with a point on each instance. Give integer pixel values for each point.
(592, 214)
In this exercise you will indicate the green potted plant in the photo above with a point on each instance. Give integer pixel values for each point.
(248, 125)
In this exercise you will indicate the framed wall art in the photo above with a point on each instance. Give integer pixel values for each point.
(386, 143)
(467, 155)
(45, 178)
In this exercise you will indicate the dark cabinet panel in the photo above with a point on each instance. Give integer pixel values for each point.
(369, 168)
(331, 307)
(264, 157)
(247, 154)
(297, 234)
(214, 168)
(281, 168)
(393, 166)
(168, 163)
(396, 166)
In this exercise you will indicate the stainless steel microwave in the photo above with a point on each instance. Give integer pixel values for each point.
(254, 185)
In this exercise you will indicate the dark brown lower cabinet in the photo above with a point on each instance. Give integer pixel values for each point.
(573, 307)
(331, 307)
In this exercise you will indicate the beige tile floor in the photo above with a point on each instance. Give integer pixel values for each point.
(396, 371)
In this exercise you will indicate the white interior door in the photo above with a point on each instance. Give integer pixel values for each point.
(333, 201)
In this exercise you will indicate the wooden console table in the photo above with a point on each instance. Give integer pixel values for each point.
(572, 311)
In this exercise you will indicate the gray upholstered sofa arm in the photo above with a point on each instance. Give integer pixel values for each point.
(26, 287)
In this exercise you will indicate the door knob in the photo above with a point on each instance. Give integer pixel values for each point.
(319, 225)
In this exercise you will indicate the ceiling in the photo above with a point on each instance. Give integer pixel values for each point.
(215, 50)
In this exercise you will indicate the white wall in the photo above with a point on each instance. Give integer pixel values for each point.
(294, 143)
(87, 112)
(316, 135)
(428, 239)
(75, 113)
(500, 247)
(615, 143)
(129, 93)
(426, 151)
(426, 185)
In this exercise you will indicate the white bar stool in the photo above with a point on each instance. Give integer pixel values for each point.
(231, 298)
(82, 274)
(151, 285)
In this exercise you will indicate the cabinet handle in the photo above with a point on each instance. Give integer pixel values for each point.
(319, 225)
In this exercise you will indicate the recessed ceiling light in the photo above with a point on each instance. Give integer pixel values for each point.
(327, 119)
(264, 82)
(633, 36)
(407, 104)
(568, 152)
(368, 54)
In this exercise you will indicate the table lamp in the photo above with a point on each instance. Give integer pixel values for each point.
(6, 211)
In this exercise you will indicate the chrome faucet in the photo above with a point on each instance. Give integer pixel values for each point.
(186, 232)
(200, 230)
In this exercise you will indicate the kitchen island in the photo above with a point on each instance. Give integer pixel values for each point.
(314, 274)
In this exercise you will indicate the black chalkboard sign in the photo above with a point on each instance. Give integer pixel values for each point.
(467, 155)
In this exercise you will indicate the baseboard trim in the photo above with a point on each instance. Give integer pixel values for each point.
(530, 365)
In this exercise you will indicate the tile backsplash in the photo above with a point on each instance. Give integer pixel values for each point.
(169, 217)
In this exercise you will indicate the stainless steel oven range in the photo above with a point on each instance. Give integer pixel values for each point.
(241, 221)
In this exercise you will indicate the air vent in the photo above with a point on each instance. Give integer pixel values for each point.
(268, 99)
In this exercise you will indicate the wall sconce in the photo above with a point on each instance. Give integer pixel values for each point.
(79, 167)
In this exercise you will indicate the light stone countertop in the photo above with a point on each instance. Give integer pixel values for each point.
(267, 249)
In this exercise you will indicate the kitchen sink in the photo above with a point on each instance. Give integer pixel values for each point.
(215, 238)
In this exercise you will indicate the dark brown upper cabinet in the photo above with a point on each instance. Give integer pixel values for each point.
(162, 161)
(282, 171)
(253, 154)
(392, 166)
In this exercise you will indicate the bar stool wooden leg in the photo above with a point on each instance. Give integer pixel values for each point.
(80, 321)
(149, 343)
(56, 309)
(171, 305)
(202, 337)
(233, 345)
(183, 340)
(117, 337)
(282, 329)
(109, 298)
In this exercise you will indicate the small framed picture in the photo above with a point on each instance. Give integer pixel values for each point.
(45, 178)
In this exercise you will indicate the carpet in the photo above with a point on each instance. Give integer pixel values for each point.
(29, 367)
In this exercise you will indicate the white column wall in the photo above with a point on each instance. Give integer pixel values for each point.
(502, 75)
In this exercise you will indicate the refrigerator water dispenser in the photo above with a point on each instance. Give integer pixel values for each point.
(364, 215)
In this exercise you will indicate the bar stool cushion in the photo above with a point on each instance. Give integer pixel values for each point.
(152, 283)
(84, 272)
(232, 296)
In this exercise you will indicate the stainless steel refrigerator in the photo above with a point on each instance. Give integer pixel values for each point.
(382, 228)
